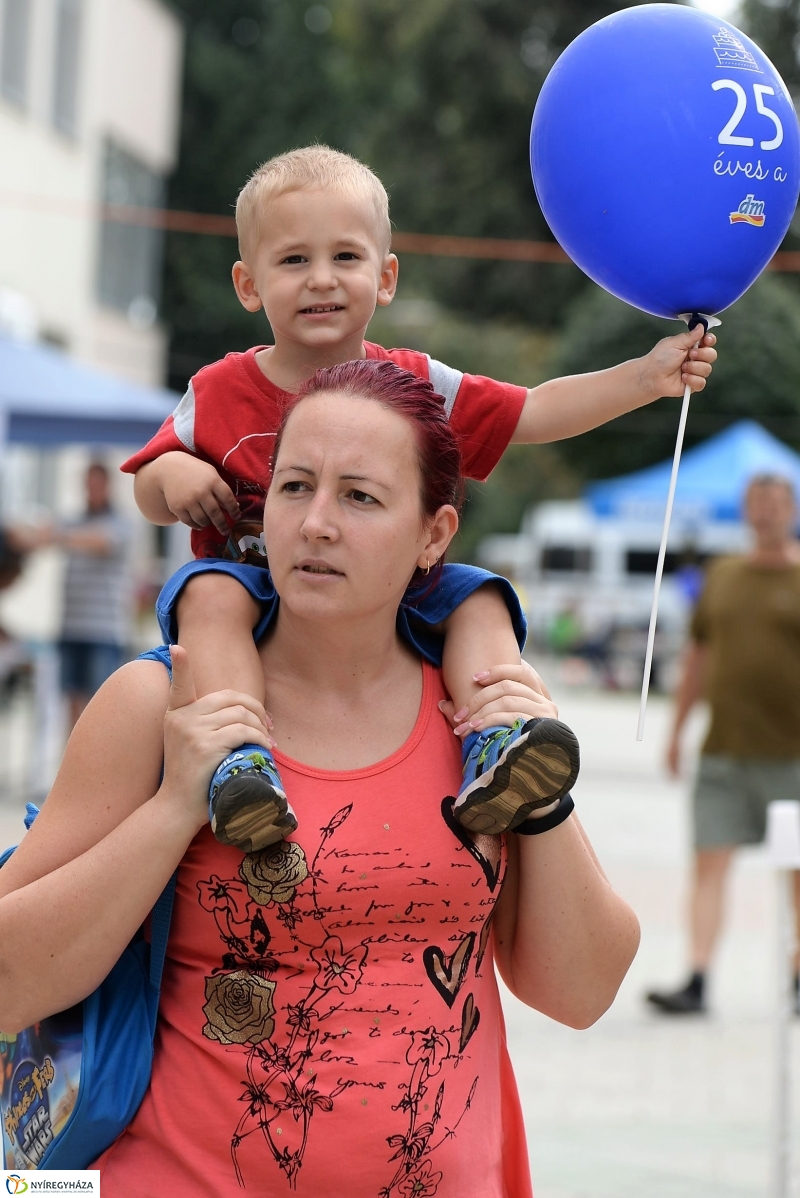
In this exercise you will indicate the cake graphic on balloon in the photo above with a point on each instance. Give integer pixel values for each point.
(731, 53)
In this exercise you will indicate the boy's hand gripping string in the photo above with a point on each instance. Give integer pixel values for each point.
(708, 322)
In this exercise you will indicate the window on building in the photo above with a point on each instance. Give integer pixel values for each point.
(65, 66)
(644, 561)
(567, 559)
(129, 268)
(14, 50)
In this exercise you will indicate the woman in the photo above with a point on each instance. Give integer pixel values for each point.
(329, 1020)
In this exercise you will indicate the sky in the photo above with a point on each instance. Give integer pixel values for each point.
(720, 8)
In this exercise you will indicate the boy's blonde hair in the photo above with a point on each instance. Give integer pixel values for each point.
(307, 169)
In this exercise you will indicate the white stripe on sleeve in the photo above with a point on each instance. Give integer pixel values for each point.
(446, 381)
(183, 419)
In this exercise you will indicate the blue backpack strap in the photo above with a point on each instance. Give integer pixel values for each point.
(161, 916)
(162, 912)
(160, 920)
(31, 811)
(159, 654)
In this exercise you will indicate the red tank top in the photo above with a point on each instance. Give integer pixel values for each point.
(330, 1023)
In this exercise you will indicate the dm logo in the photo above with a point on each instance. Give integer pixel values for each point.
(749, 212)
(16, 1184)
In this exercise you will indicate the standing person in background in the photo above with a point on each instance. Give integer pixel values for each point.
(95, 624)
(744, 657)
(95, 629)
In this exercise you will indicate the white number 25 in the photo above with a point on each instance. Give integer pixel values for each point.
(726, 137)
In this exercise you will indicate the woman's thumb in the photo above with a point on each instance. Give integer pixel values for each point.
(182, 691)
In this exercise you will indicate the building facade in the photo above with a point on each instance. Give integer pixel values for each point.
(89, 113)
(89, 118)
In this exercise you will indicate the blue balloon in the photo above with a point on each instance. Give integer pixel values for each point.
(665, 154)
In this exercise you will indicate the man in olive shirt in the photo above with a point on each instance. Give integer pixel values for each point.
(744, 656)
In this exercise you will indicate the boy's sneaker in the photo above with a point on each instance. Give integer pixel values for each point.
(247, 804)
(509, 772)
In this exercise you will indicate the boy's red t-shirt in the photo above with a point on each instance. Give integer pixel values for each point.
(231, 412)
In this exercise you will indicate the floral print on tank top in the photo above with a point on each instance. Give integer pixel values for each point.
(298, 962)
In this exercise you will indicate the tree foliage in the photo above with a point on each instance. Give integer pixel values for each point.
(436, 95)
(757, 374)
(775, 27)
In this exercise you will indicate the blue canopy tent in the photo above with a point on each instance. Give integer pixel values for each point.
(47, 399)
(712, 480)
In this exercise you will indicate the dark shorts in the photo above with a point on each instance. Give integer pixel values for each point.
(85, 665)
(731, 795)
(421, 610)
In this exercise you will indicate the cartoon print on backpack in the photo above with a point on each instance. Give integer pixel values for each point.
(55, 1075)
(41, 1069)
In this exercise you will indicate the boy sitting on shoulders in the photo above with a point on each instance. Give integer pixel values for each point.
(314, 239)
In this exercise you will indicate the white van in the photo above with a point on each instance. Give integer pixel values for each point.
(566, 559)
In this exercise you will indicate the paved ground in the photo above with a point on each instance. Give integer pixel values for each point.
(640, 1107)
(636, 1107)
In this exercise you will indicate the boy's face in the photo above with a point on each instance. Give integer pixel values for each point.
(319, 269)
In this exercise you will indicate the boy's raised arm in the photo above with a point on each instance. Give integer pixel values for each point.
(178, 486)
(566, 407)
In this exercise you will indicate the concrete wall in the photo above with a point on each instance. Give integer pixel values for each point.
(129, 65)
(140, 47)
(51, 186)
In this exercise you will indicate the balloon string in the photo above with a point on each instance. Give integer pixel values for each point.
(662, 552)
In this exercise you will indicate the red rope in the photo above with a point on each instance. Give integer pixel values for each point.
(207, 224)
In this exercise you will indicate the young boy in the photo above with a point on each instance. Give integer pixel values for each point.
(314, 239)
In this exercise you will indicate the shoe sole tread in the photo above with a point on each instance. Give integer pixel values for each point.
(247, 818)
(525, 776)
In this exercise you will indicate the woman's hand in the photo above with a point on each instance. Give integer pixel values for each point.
(199, 733)
(508, 693)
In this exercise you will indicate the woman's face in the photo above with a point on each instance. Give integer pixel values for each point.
(343, 521)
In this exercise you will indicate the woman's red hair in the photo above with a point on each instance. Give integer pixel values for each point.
(414, 399)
